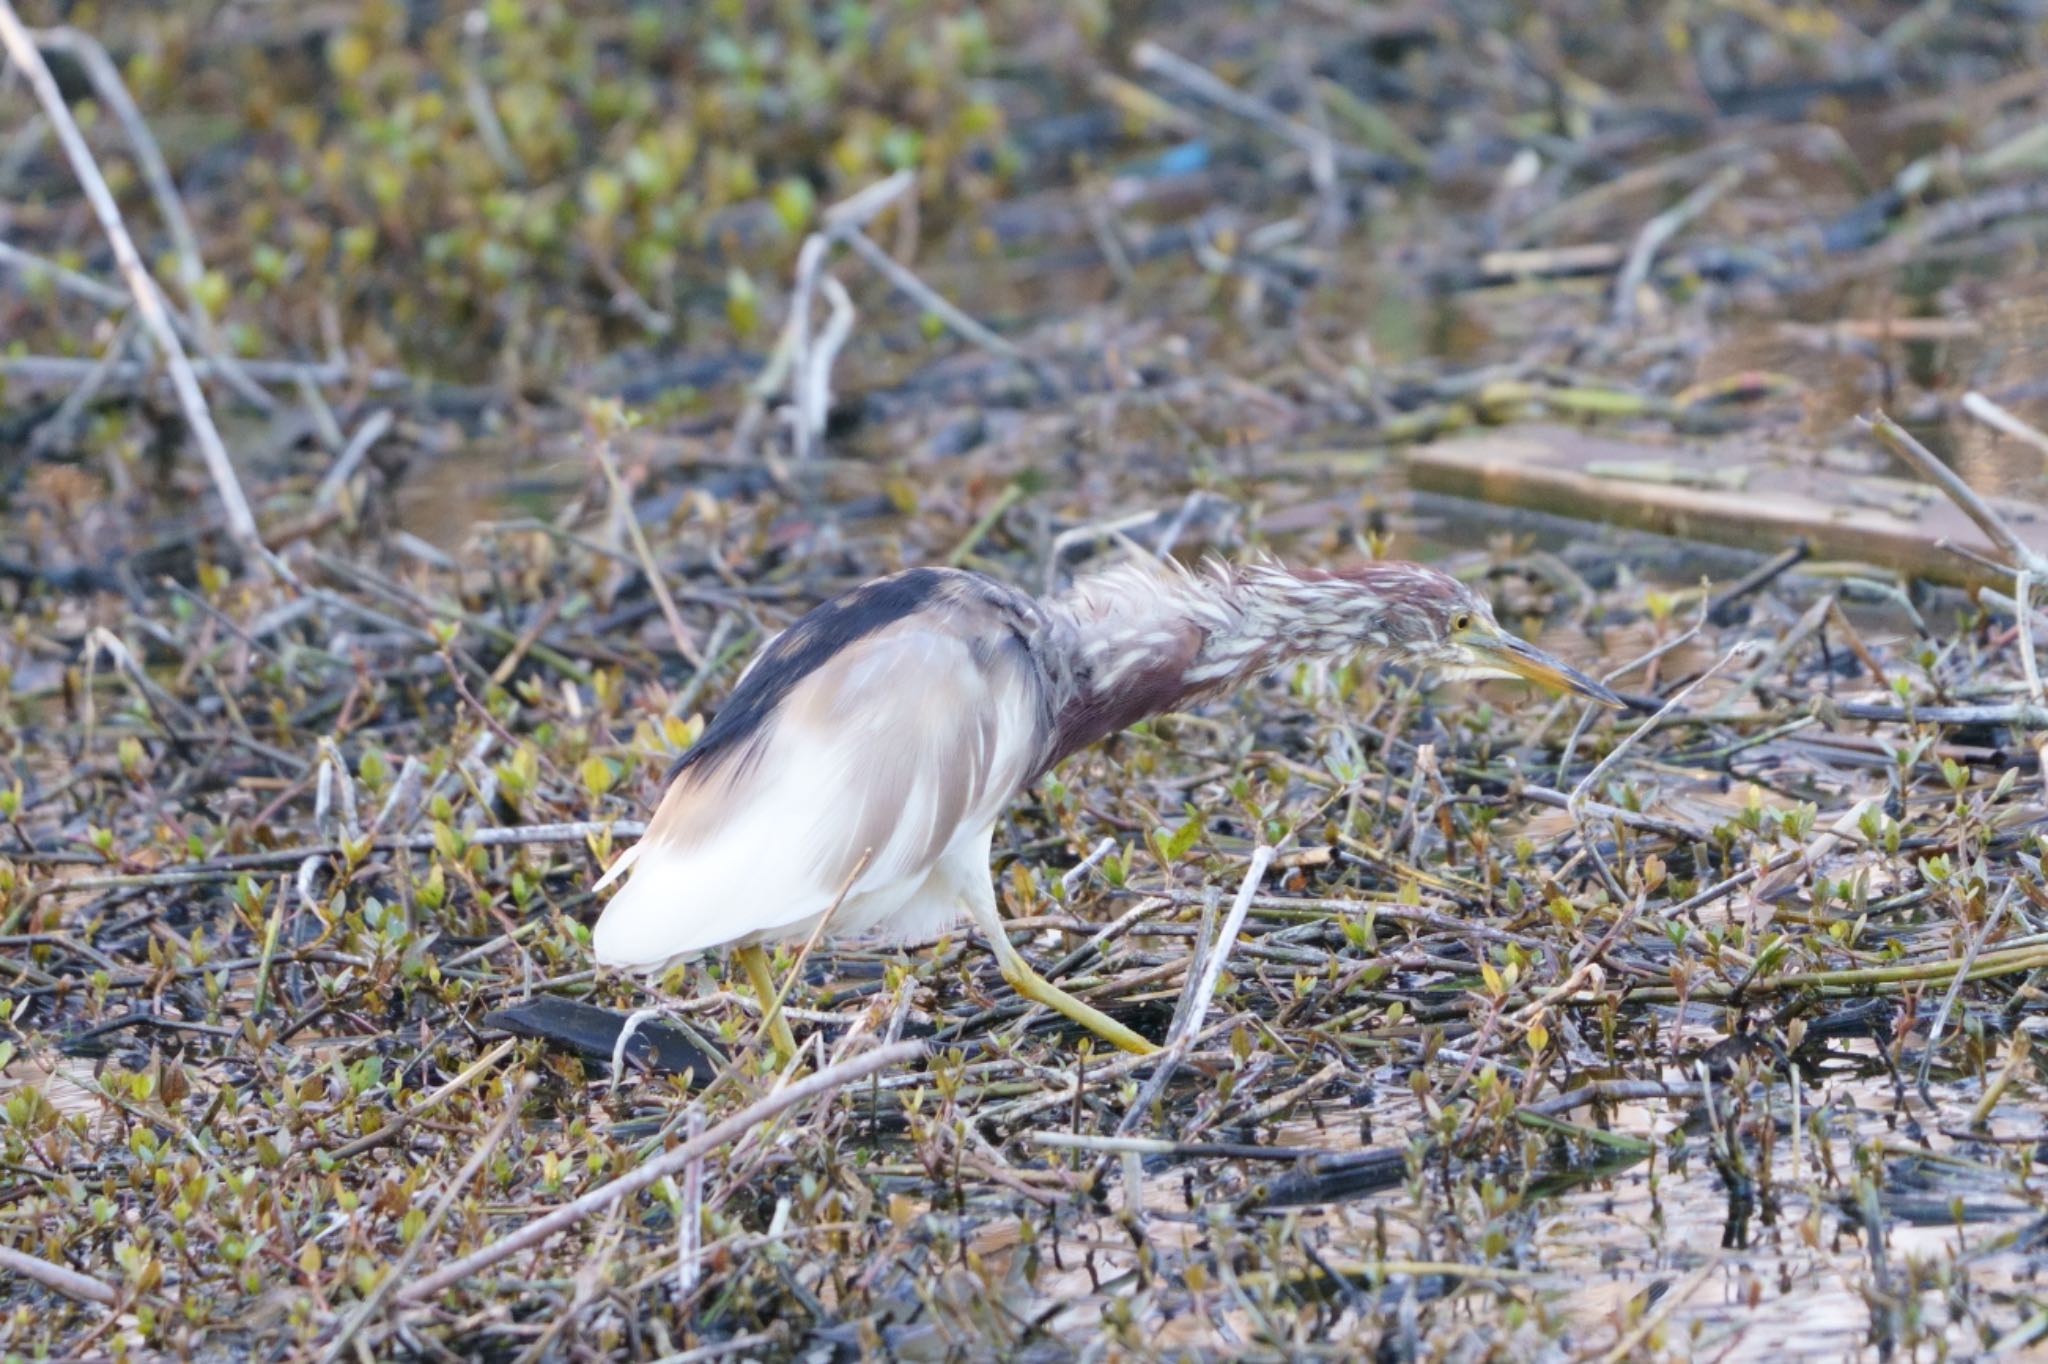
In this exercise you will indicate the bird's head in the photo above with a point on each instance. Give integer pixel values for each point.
(1427, 617)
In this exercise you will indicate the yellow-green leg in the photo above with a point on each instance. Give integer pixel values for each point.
(1039, 990)
(756, 962)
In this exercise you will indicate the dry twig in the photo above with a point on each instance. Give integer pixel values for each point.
(148, 300)
(817, 1086)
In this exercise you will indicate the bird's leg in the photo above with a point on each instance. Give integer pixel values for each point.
(756, 961)
(1039, 990)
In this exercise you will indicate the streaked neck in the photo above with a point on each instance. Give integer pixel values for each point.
(1270, 615)
(1144, 639)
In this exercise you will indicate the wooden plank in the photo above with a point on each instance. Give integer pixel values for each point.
(1723, 492)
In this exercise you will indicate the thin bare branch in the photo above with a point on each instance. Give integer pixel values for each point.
(148, 301)
(1902, 443)
(58, 1278)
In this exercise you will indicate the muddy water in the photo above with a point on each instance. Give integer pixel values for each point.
(1914, 342)
(1790, 1280)
(1794, 1281)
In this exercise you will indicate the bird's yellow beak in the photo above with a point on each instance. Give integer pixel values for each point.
(1503, 655)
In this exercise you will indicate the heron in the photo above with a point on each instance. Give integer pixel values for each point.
(852, 781)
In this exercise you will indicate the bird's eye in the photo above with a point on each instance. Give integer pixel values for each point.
(1461, 623)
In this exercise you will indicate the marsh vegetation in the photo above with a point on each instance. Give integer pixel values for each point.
(560, 353)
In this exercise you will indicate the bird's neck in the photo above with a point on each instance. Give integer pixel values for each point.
(1262, 616)
(1144, 640)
